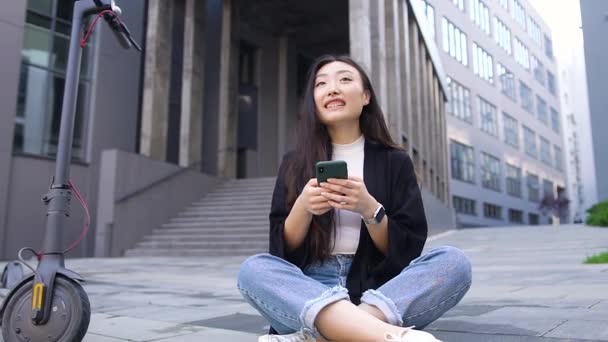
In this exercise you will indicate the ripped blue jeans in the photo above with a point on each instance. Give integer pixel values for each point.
(290, 299)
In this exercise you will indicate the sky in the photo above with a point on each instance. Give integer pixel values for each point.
(563, 18)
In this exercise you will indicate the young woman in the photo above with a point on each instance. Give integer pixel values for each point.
(344, 262)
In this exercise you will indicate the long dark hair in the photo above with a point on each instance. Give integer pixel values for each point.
(313, 144)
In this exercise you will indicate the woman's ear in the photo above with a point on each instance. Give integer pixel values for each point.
(366, 97)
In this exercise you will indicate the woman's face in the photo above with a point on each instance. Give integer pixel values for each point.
(339, 93)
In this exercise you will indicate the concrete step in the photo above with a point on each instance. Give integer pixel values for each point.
(208, 245)
(223, 211)
(193, 252)
(217, 224)
(210, 231)
(231, 220)
(202, 237)
(215, 216)
(253, 207)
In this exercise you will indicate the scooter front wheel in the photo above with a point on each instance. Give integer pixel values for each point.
(70, 314)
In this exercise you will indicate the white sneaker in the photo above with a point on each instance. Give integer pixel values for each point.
(295, 337)
(410, 335)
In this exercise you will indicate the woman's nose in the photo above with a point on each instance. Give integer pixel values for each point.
(332, 89)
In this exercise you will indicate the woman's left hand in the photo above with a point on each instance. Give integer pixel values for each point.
(354, 195)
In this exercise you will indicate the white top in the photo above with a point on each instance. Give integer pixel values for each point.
(348, 223)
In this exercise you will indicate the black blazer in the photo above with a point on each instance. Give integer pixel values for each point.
(389, 176)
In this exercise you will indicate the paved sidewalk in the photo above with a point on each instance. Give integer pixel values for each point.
(529, 284)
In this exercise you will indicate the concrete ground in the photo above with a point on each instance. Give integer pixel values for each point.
(529, 284)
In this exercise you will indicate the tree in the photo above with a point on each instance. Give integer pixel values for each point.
(556, 206)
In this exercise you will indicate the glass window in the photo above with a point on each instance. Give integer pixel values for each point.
(545, 151)
(548, 47)
(459, 4)
(462, 162)
(464, 205)
(518, 13)
(429, 13)
(42, 78)
(547, 188)
(454, 41)
(490, 171)
(533, 187)
(555, 122)
(551, 83)
(516, 216)
(480, 15)
(492, 211)
(459, 104)
(483, 66)
(489, 121)
(559, 164)
(538, 69)
(522, 56)
(541, 108)
(513, 178)
(535, 32)
(507, 81)
(511, 130)
(525, 94)
(504, 4)
(533, 219)
(530, 142)
(502, 35)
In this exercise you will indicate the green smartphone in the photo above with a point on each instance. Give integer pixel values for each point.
(331, 169)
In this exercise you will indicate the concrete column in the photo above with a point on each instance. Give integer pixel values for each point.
(282, 81)
(154, 120)
(192, 88)
(406, 78)
(415, 86)
(379, 42)
(12, 19)
(216, 87)
(360, 32)
(424, 114)
(392, 68)
(229, 91)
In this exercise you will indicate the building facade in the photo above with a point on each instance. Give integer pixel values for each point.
(595, 24)
(215, 92)
(570, 57)
(504, 124)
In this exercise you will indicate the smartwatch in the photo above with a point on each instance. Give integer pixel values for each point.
(377, 218)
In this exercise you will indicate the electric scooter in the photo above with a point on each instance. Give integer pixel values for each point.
(50, 304)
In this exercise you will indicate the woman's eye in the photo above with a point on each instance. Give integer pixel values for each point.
(319, 83)
(346, 79)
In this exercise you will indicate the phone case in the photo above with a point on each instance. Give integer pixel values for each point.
(331, 169)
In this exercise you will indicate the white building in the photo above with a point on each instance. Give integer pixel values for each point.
(505, 130)
(565, 23)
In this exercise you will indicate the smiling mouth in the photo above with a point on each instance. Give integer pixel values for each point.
(335, 104)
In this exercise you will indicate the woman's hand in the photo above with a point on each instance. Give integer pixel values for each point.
(350, 194)
(311, 199)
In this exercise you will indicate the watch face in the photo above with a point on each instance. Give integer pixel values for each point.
(380, 215)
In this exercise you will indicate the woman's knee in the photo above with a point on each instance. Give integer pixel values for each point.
(458, 263)
(252, 268)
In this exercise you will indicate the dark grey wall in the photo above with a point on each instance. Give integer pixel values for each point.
(114, 106)
(25, 224)
(129, 208)
(12, 19)
(595, 26)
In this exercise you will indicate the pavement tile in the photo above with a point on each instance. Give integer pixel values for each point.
(522, 291)
(582, 329)
(240, 322)
(135, 329)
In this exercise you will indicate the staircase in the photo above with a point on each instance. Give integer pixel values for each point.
(231, 220)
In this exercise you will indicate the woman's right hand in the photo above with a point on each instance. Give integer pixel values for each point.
(311, 198)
